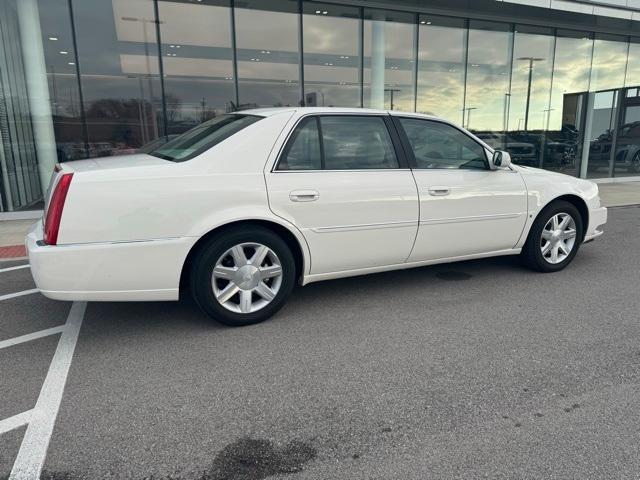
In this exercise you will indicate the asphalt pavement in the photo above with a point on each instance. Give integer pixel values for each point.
(479, 369)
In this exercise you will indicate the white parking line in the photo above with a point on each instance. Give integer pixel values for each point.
(16, 421)
(30, 336)
(33, 451)
(18, 294)
(10, 269)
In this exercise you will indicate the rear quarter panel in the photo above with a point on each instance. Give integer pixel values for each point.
(173, 200)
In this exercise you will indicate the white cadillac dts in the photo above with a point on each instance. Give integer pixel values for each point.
(242, 207)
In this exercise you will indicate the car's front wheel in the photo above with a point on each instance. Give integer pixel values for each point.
(243, 276)
(554, 238)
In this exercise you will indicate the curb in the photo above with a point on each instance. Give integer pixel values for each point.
(13, 252)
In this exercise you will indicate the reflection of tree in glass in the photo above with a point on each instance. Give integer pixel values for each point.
(121, 121)
(174, 107)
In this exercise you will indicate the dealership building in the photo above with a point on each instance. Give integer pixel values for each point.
(555, 82)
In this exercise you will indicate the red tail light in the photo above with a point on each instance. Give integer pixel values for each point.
(54, 212)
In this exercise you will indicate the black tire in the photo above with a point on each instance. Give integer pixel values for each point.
(206, 258)
(531, 253)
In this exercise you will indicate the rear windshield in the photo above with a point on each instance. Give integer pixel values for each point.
(203, 137)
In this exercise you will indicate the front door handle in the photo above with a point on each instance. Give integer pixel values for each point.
(304, 196)
(439, 191)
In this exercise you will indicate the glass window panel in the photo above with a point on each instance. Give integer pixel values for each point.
(533, 53)
(438, 145)
(565, 120)
(441, 66)
(528, 104)
(488, 69)
(197, 61)
(303, 150)
(633, 66)
(356, 142)
(609, 63)
(331, 55)
(64, 94)
(20, 186)
(389, 60)
(603, 119)
(118, 58)
(268, 56)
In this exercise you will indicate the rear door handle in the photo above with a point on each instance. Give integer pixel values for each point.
(439, 191)
(304, 196)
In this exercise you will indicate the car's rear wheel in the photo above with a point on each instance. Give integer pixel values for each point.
(554, 238)
(243, 276)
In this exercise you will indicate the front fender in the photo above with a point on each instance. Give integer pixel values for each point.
(543, 187)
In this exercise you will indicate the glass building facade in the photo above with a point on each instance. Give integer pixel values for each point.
(555, 83)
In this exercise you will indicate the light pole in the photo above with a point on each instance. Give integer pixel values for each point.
(526, 113)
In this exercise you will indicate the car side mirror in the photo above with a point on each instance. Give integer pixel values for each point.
(500, 159)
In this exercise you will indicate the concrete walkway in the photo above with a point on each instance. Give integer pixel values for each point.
(620, 194)
(12, 232)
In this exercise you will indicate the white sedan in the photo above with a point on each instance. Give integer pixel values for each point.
(244, 206)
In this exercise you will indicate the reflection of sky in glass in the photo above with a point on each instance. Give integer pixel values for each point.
(267, 43)
(528, 45)
(571, 72)
(441, 53)
(609, 64)
(197, 60)
(331, 56)
(399, 47)
(633, 68)
(487, 78)
(122, 106)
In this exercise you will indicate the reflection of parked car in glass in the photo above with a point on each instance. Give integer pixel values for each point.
(522, 152)
(627, 150)
(561, 148)
(153, 144)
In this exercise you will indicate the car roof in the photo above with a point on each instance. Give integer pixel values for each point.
(267, 112)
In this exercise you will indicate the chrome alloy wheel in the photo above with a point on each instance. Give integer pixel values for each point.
(558, 238)
(246, 277)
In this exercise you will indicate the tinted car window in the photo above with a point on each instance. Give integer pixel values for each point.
(203, 137)
(438, 145)
(356, 142)
(303, 150)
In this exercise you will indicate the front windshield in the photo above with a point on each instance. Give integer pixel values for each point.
(203, 137)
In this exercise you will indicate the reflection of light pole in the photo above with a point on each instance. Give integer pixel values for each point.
(507, 105)
(148, 75)
(468, 115)
(548, 112)
(391, 90)
(526, 113)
